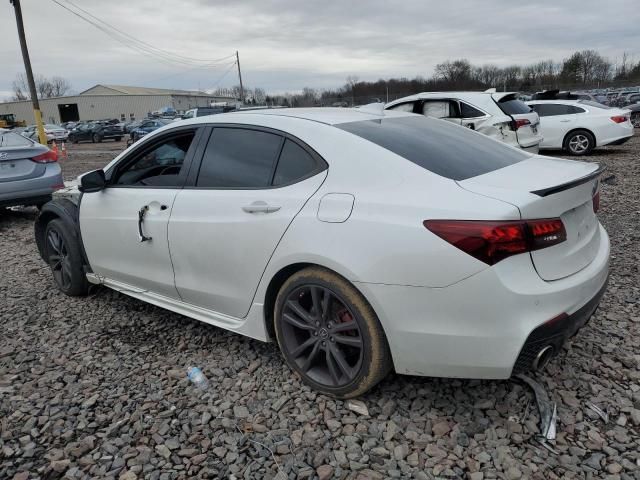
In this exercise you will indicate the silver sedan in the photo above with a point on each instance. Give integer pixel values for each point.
(29, 172)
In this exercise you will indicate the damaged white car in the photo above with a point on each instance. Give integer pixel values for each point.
(499, 115)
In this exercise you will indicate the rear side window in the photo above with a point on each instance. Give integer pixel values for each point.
(11, 139)
(239, 158)
(467, 111)
(440, 147)
(554, 109)
(510, 105)
(294, 164)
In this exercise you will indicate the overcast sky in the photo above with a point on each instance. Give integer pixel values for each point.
(286, 45)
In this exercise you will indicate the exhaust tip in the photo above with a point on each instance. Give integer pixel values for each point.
(543, 357)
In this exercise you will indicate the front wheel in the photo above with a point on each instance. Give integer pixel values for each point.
(580, 142)
(635, 119)
(65, 260)
(329, 334)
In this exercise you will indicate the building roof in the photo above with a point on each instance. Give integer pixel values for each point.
(129, 90)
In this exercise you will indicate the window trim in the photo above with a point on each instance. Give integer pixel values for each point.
(191, 183)
(153, 143)
(484, 114)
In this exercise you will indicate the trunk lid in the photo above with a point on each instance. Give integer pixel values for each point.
(526, 121)
(15, 158)
(550, 188)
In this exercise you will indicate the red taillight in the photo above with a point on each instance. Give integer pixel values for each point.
(492, 241)
(619, 118)
(521, 123)
(46, 157)
(596, 202)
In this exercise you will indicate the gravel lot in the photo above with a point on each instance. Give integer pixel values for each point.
(96, 387)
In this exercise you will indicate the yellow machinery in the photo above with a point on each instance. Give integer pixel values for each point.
(8, 120)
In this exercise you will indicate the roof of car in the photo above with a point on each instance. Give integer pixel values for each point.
(326, 115)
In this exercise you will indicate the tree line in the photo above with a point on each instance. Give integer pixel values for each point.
(45, 87)
(583, 69)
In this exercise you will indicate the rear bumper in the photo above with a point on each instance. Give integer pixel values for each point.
(620, 141)
(532, 148)
(478, 327)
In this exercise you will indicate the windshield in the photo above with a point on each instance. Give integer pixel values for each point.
(448, 150)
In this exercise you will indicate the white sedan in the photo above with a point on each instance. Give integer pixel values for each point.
(362, 243)
(579, 126)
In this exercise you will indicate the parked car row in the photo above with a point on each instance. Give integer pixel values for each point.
(553, 120)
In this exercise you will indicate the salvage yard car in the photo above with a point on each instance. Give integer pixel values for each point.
(579, 126)
(361, 243)
(29, 172)
(95, 132)
(499, 115)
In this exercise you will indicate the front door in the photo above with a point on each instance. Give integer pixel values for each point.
(124, 226)
(223, 230)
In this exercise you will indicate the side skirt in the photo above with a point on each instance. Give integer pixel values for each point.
(251, 326)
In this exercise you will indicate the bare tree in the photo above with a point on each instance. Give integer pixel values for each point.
(45, 88)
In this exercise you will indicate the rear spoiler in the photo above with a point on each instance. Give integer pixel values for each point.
(573, 183)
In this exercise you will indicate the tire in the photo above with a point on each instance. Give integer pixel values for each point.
(68, 272)
(117, 139)
(579, 142)
(635, 119)
(96, 138)
(312, 344)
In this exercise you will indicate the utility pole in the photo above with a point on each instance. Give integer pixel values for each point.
(27, 66)
(240, 77)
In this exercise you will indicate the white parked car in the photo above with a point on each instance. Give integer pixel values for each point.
(499, 115)
(578, 126)
(52, 132)
(361, 243)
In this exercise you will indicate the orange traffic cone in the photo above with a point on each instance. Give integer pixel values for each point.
(54, 148)
(64, 150)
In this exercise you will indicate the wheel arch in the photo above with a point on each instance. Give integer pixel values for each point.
(66, 211)
(281, 276)
(573, 130)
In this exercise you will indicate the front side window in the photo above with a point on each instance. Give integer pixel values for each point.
(239, 158)
(158, 165)
(403, 107)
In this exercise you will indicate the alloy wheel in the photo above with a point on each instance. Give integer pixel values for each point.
(579, 143)
(321, 335)
(59, 260)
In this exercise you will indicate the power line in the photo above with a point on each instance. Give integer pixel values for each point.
(222, 76)
(138, 45)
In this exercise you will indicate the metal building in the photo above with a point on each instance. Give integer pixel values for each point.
(111, 101)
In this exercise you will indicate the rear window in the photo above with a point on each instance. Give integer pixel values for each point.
(12, 139)
(594, 104)
(448, 150)
(512, 106)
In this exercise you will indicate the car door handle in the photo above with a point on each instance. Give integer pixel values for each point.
(260, 207)
(141, 213)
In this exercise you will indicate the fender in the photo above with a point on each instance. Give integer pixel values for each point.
(67, 211)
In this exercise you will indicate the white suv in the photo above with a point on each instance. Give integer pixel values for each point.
(499, 115)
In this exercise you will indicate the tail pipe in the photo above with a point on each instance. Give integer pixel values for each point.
(542, 358)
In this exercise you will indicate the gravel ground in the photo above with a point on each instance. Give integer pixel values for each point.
(96, 387)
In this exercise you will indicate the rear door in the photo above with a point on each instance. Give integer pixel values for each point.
(551, 188)
(527, 121)
(444, 109)
(225, 226)
(556, 120)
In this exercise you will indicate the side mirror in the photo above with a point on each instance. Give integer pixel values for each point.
(92, 182)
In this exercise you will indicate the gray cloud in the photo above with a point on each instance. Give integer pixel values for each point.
(289, 44)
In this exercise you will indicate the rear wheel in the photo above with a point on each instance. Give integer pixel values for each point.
(329, 334)
(579, 142)
(65, 260)
(635, 119)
